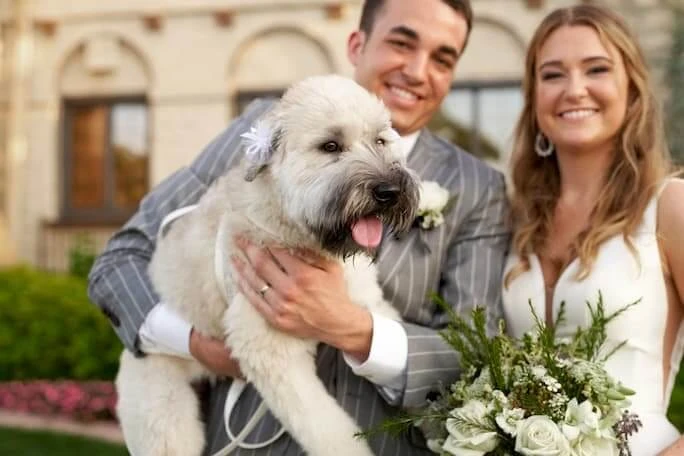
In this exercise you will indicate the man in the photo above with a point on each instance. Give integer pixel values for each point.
(406, 53)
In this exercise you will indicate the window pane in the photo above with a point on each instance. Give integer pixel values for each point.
(88, 139)
(458, 107)
(454, 120)
(499, 111)
(129, 146)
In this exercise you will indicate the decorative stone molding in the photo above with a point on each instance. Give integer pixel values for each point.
(224, 18)
(102, 54)
(47, 27)
(334, 11)
(153, 22)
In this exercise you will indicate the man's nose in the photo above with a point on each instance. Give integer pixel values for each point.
(416, 67)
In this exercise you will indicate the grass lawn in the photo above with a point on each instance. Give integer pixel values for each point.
(21, 442)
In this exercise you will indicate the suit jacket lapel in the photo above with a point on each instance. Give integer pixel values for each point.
(426, 159)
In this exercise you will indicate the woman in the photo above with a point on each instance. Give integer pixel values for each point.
(595, 211)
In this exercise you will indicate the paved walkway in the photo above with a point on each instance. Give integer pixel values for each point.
(99, 430)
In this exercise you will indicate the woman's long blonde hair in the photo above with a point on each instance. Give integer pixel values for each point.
(641, 159)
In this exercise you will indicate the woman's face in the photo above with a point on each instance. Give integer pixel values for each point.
(581, 90)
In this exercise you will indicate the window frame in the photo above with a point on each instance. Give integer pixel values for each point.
(243, 98)
(108, 214)
(475, 87)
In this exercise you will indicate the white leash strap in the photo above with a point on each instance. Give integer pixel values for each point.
(237, 386)
(170, 217)
(238, 441)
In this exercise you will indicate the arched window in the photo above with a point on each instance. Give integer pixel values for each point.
(105, 134)
(267, 63)
(481, 111)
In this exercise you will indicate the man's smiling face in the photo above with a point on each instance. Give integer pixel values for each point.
(409, 57)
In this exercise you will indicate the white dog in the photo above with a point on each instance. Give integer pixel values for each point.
(320, 174)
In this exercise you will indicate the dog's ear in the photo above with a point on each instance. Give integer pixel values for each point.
(260, 143)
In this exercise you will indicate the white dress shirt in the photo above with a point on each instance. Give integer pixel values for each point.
(165, 332)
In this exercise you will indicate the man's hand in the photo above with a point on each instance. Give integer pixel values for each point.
(306, 297)
(214, 355)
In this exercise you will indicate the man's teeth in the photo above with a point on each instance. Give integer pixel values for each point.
(405, 94)
(578, 114)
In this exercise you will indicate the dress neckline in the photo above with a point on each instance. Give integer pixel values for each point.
(561, 277)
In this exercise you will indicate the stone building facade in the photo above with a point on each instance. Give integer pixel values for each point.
(99, 101)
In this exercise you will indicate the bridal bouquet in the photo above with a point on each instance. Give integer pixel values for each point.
(531, 396)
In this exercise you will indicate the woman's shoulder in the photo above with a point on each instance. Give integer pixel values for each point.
(671, 213)
(671, 201)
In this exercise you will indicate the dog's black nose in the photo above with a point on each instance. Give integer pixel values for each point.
(386, 194)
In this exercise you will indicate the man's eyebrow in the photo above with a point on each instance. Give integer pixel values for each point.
(408, 32)
(411, 34)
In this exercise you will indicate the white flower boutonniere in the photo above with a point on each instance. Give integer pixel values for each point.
(434, 200)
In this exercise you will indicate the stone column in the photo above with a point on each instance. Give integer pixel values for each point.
(19, 54)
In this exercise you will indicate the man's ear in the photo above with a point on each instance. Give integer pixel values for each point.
(355, 44)
(265, 140)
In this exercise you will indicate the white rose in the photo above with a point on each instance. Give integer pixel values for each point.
(432, 197)
(472, 440)
(539, 436)
(591, 446)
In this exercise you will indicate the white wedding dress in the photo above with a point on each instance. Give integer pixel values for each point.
(621, 280)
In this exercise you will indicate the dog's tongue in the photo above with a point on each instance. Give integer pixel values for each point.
(367, 232)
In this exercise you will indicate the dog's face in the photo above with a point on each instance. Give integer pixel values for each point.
(335, 164)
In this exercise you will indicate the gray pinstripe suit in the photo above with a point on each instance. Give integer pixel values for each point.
(462, 260)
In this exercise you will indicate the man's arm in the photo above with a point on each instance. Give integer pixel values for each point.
(118, 283)
(471, 277)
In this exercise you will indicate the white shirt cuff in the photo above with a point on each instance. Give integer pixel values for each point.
(165, 332)
(387, 360)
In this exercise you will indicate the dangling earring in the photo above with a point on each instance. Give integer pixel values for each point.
(543, 146)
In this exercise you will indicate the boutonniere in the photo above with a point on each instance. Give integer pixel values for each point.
(434, 201)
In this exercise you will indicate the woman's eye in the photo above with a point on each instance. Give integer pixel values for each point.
(601, 69)
(547, 76)
(330, 147)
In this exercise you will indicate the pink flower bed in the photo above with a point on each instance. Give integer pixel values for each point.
(82, 401)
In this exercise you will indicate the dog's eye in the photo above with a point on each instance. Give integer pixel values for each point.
(380, 142)
(330, 147)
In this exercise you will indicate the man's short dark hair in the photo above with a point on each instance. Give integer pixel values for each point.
(371, 8)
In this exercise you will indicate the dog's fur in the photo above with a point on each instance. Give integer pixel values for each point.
(303, 197)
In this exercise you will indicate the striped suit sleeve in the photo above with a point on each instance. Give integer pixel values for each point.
(471, 277)
(118, 282)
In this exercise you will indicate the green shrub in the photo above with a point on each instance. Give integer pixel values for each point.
(50, 330)
(81, 257)
(676, 412)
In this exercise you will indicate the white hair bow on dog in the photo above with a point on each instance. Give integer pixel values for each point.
(258, 142)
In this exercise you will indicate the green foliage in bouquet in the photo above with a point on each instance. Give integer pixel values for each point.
(49, 329)
(536, 395)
